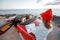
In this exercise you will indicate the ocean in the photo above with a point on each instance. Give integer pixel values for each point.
(28, 11)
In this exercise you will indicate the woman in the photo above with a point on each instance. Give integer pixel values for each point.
(45, 26)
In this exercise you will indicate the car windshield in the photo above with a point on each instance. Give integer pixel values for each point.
(3, 22)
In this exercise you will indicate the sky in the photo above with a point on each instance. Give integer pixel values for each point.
(27, 4)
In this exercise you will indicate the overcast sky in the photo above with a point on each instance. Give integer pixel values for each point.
(26, 4)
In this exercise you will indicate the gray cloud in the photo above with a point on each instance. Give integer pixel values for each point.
(38, 1)
(54, 3)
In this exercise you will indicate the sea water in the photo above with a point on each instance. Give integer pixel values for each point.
(28, 11)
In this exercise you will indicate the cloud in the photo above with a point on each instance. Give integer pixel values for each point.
(43, 2)
(48, 2)
(54, 3)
